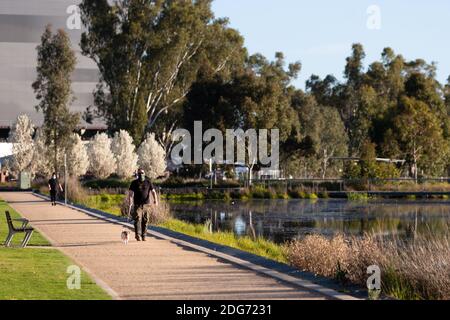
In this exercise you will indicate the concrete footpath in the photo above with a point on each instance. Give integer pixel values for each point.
(154, 270)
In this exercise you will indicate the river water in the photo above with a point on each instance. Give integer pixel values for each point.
(283, 220)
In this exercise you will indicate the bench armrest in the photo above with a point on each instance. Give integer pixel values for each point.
(24, 222)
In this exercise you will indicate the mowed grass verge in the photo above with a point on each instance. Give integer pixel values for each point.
(38, 273)
(258, 246)
(36, 240)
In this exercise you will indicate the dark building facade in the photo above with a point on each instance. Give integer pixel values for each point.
(22, 23)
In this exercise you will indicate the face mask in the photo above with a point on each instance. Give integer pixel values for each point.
(142, 177)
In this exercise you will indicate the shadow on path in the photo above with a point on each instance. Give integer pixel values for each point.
(28, 202)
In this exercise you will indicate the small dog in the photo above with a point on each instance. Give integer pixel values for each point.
(125, 236)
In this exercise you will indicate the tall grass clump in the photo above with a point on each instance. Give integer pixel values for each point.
(199, 196)
(358, 196)
(75, 192)
(423, 269)
(419, 270)
(260, 192)
(159, 214)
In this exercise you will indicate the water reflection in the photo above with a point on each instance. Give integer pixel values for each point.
(281, 220)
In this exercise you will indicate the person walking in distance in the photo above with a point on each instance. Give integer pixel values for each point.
(140, 190)
(53, 185)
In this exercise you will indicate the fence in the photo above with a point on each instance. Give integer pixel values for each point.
(308, 185)
(368, 185)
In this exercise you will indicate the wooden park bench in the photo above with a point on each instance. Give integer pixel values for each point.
(13, 230)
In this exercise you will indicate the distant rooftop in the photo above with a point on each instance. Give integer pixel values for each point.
(22, 23)
(86, 131)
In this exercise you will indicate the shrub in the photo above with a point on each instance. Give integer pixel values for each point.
(159, 214)
(75, 192)
(101, 159)
(283, 196)
(186, 197)
(312, 196)
(324, 195)
(260, 192)
(218, 195)
(125, 154)
(293, 194)
(107, 184)
(356, 196)
(173, 182)
(243, 195)
(152, 157)
(319, 255)
(409, 271)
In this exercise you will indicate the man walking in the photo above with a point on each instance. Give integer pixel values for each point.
(140, 190)
(53, 184)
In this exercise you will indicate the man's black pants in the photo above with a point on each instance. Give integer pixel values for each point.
(53, 196)
(141, 218)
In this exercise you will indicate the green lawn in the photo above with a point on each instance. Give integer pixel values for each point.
(38, 273)
(36, 239)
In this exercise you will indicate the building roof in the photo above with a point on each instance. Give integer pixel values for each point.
(86, 132)
(21, 24)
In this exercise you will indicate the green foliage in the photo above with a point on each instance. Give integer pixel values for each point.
(324, 195)
(398, 287)
(173, 182)
(177, 182)
(204, 73)
(214, 195)
(368, 168)
(258, 97)
(259, 192)
(145, 73)
(324, 137)
(357, 196)
(312, 196)
(396, 105)
(283, 196)
(104, 202)
(107, 184)
(243, 195)
(186, 197)
(418, 135)
(298, 194)
(55, 65)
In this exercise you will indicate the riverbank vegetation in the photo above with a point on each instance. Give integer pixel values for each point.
(418, 270)
(354, 196)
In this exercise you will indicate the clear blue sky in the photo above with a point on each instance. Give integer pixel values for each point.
(320, 33)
